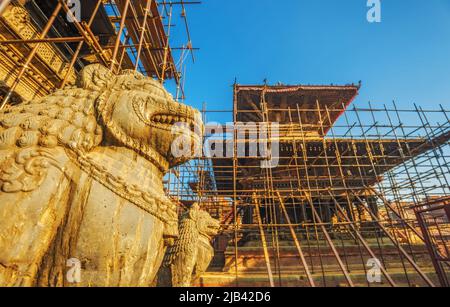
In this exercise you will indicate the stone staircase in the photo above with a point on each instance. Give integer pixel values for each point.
(288, 271)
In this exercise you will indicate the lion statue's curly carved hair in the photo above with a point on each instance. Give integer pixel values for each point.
(192, 252)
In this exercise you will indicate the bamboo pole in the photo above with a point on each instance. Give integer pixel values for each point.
(119, 34)
(143, 29)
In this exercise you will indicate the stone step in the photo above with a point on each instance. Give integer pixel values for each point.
(359, 278)
(251, 259)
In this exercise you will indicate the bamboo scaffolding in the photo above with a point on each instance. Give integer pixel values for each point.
(409, 161)
(140, 41)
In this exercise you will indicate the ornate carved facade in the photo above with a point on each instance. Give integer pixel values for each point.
(49, 66)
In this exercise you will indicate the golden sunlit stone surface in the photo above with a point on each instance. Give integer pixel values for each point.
(81, 174)
(192, 252)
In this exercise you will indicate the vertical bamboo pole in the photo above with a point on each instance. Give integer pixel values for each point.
(309, 190)
(269, 184)
(119, 34)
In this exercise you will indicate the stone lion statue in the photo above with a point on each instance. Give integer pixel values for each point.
(192, 252)
(81, 174)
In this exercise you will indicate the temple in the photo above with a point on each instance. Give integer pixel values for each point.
(353, 186)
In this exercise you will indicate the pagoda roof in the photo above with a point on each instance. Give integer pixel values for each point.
(308, 104)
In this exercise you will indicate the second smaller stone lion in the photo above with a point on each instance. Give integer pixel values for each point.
(192, 252)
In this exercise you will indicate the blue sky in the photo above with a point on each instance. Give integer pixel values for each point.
(405, 58)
